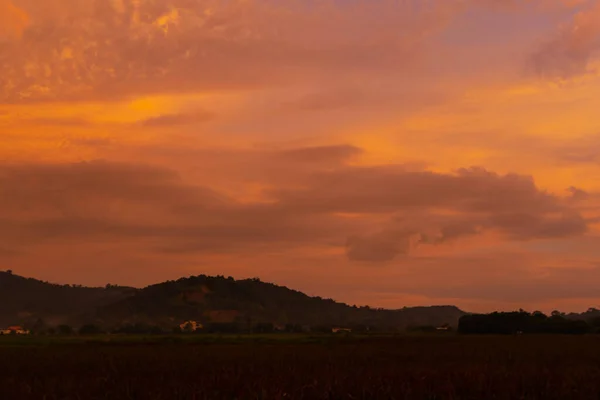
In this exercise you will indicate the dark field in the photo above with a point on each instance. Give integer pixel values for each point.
(409, 367)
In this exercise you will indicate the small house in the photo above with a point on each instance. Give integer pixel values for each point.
(191, 326)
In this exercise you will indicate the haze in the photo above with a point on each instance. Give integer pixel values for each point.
(390, 153)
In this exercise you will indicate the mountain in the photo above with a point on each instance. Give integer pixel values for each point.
(25, 300)
(225, 300)
(210, 300)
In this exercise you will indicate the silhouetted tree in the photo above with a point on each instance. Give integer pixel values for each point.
(64, 330)
(39, 327)
(90, 329)
(520, 322)
(264, 327)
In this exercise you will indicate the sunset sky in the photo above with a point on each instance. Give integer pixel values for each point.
(382, 152)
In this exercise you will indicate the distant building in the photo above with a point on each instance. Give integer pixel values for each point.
(191, 326)
(14, 330)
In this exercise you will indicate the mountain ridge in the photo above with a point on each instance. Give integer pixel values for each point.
(209, 299)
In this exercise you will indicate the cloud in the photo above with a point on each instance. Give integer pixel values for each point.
(320, 154)
(329, 100)
(100, 50)
(451, 231)
(104, 201)
(570, 52)
(388, 188)
(578, 194)
(89, 142)
(8, 253)
(170, 120)
(394, 208)
(64, 122)
(379, 247)
(13, 20)
(523, 226)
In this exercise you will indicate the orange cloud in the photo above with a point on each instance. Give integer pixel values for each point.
(83, 50)
(306, 143)
(13, 20)
(108, 201)
(570, 52)
(170, 120)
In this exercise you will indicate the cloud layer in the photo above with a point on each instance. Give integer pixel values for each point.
(101, 200)
(383, 152)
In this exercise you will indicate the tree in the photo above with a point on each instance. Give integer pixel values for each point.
(90, 329)
(39, 327)
(64, 330)
(265, 327)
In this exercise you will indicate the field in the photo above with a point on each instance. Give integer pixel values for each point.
(290, 367)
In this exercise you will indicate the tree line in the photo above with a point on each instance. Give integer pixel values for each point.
(522, 322)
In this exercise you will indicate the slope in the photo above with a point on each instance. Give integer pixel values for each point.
(27, 300)
(226, 300)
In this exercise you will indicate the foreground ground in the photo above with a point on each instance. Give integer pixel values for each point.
(410, 367)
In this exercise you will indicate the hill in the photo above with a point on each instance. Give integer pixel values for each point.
(225, 300)
(210, 300)
(26, 300)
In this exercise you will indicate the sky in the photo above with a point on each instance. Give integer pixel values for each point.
(387, 153)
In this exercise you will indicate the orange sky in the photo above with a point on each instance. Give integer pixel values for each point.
(380, 152)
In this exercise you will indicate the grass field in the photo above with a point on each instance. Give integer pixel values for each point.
(301, 367)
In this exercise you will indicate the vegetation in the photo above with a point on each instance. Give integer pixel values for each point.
(408, 367)
(522, 322)
(220, 304)
(27, 301)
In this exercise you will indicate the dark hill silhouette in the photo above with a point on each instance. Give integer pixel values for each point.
(225, 300)
(203, 298)
(23, 300)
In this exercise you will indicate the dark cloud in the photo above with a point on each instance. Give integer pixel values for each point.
(385, 189)
(65, 122)
(570, 52)
(583, 151)
(578, 194)
(89, 141)
(320, 155)
(103, 201)
(380, 247)
(108, 202)
(523, 226)
(8, 253)
(451, 231)
(168, 120)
